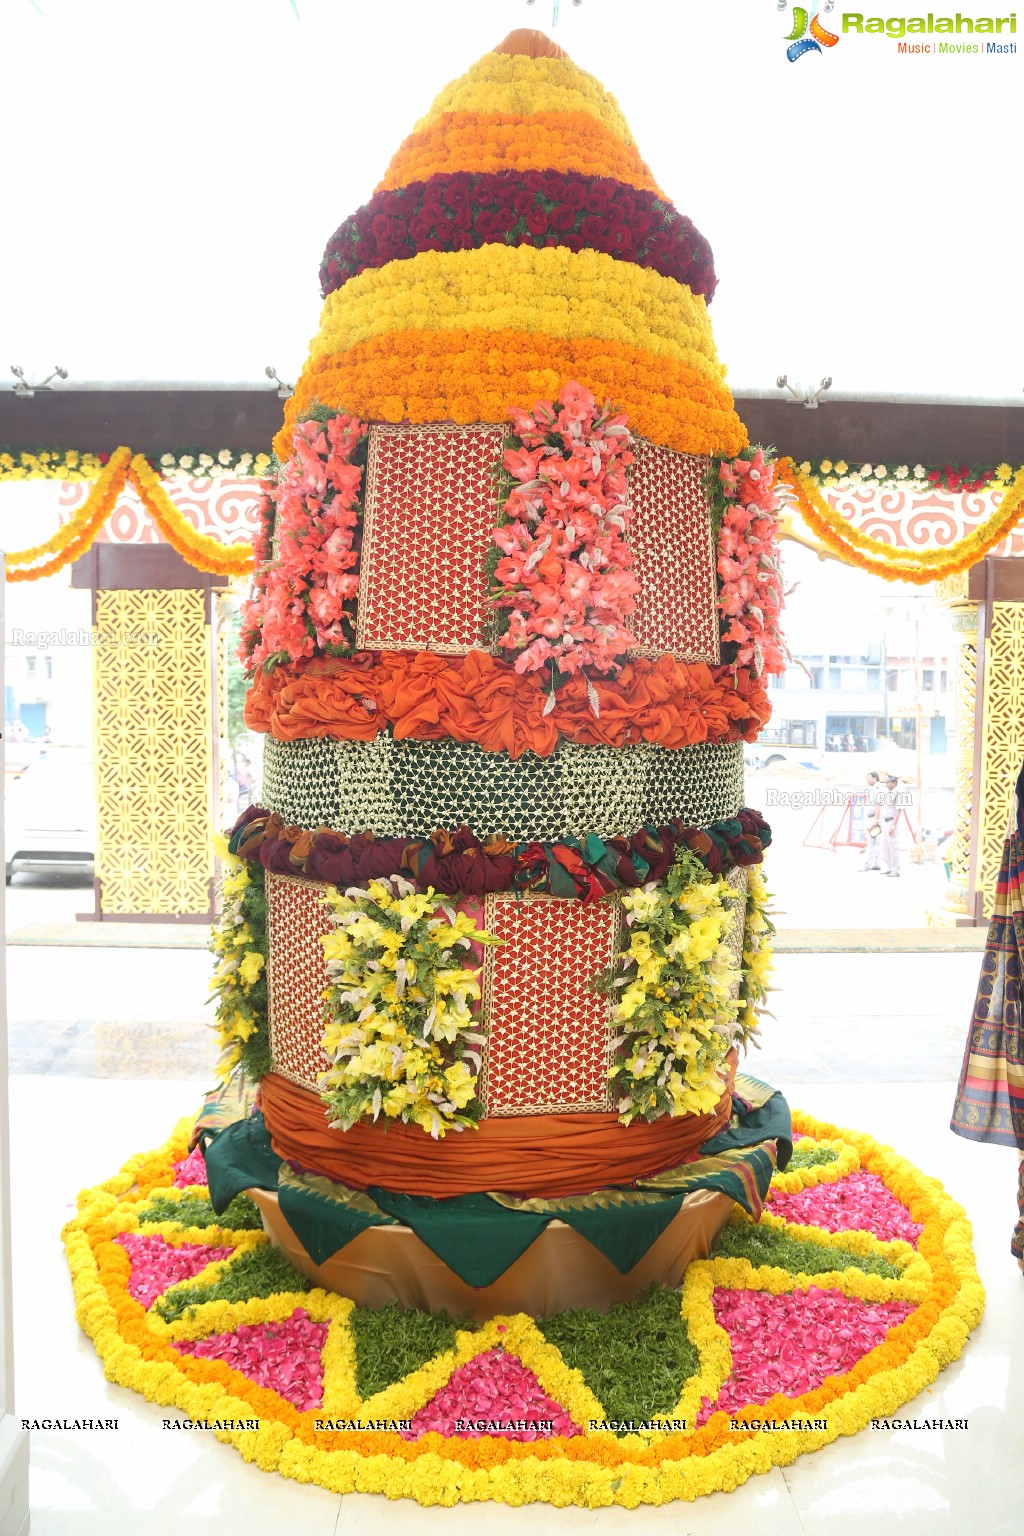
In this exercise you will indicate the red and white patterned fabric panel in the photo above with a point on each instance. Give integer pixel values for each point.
(675, 558)
(431, 504)
(548, 1035)
(296, 977)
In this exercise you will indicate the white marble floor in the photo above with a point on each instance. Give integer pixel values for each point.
(72, 1130)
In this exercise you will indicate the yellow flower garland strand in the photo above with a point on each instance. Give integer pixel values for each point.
(85, 524)
(77, 535)
(914, 565)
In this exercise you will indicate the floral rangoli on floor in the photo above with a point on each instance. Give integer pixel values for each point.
(856, 1288)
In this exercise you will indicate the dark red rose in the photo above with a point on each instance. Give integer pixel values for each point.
(462, 218)
(574, 242)
(537, 221)
(419, 227)
(486, 189)
(398, 229)
(552, 240)
(332, 269)
(456, 192)
(362, 222)
(592, 230)
(640, 226)
(432, 210)
(444, 229)
(506, 220)
(506, 193)
(554, 186)
(485, 223)
(431, 245)
(563, 218)
(575, 192)
(533, 181)
(393, 206)
(522, 202)
(597, 199)
(381, 227)
(461, 241)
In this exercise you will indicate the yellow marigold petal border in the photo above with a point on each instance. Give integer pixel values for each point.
(592, 1471)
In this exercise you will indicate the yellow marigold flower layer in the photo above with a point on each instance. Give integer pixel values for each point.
(516, 83)
(554, 291)
(469, 376)
(501, 141)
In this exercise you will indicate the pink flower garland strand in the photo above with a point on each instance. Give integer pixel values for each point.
(156, 1265)
(493, 1387)
(285, 1356)
(565, 577)
(791, 1343)
(302, 597)
(859, 1202)
(750, 591)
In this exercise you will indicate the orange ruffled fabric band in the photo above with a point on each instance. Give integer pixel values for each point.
(523, 1155)
(469, 376)
(477, 698)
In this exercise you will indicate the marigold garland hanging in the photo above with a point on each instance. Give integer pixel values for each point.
(76, 537)
(919, 566)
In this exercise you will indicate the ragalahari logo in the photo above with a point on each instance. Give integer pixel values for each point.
(800, 42)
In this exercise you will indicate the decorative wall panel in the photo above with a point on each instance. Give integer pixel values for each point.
(153, 743)
(224, 509)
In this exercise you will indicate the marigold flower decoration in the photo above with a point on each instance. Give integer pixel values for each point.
(401, 1032)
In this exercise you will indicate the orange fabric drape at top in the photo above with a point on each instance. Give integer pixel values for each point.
(522, 1155)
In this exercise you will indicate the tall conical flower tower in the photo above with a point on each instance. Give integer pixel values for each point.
(516, 599)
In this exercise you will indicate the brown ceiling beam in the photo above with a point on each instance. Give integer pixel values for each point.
(152, 421)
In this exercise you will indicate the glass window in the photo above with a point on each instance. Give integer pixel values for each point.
(834, 677)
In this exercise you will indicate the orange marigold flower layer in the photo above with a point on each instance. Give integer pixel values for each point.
(470, 376)
(500, 141)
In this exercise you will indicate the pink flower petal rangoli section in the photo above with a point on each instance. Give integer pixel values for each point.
(791, 1343)
(285, 1356)
(494, 1388)
(860, 1202)
(156, 1265)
